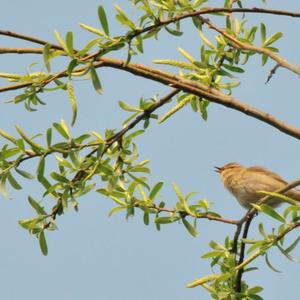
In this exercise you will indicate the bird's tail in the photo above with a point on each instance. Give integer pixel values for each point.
(294, 194)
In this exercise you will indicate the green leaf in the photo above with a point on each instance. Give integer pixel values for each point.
(34, 145)
(88, 47)
(140, 180)
(255, 297)
(190, 228)
(13, 182)
(155, 190)
(24, 174)
(62, 129)
(270, 265)
(134, 134)
(72, 97)
(30, 224)
(59, 177)
(41, 168)
(36, 206)
(292, 246)
(212, 254)
(255, 290)
(233, 68)
(178, 192)
(263, 32)
(47, 56)
(95, 80)
(103, 19)
(173, 31)
(207, 41)
(92, 30)
(264, 59)
(203, 280)
(60, 41)
(139, 43)
(49, 136)
(122, 18)
(85, 190)
(268, 210)
(116, 209)
(128, 107)
(203, 109)
(8, 137)
(262, 230)
(146, 218)
(73, 64)
(166, 220)
(69, 43)
(43, 243)
(3, 185)
(272, 39)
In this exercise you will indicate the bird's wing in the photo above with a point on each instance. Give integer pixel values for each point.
(260, 179)
(262, 171)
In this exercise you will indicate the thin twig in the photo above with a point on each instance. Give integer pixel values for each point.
(245, 46)
(242, 255)
(28, 38)
(272, 73)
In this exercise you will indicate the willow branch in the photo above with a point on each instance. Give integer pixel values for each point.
(201, 90)
(21, 50)
(182, 84)
(196, 215)
(205, 11)
(248, 47)
(28, 38)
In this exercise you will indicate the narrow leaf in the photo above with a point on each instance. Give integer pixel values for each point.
(270, 265)
(95, 80)
(155, 190)
(43, 243)
(268, 210)
(69, 42)
(103, 19)
(36, 206)
(24, 174)
(72, 98)
(190, 228)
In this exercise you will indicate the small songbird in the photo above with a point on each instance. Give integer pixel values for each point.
(245, 183)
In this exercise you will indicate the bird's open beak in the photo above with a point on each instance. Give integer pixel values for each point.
(218, 169)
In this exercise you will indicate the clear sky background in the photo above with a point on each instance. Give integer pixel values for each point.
(93, 256)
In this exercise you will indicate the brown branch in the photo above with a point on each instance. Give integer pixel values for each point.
(200, 90)
(28, 38)
(182, 84)
(212, 10)
(21, 50)
(209, 10)
(197, 216)
(245, 46)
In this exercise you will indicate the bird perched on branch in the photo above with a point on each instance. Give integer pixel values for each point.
(246, 183)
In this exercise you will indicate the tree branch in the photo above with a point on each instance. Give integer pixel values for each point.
(182, 84)
(245, 46)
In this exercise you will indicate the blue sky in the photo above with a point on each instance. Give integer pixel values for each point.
(92, 255)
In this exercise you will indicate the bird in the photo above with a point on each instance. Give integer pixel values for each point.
(245, 184)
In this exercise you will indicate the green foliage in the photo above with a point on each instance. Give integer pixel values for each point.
(109, 163)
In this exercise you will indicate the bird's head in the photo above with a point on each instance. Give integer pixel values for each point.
(229, 166)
